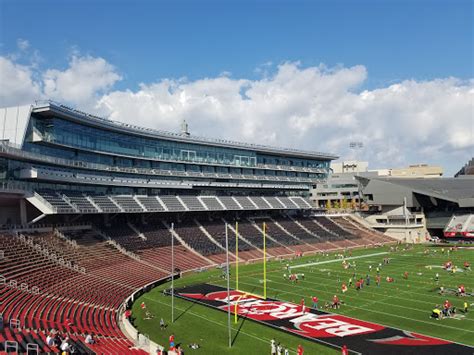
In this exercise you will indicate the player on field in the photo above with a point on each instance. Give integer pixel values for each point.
(303, 308)
(344, 350)
(300, 350)
(273, 347)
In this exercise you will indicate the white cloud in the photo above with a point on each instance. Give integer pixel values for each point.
(313, 108)
(17, 86)
(82, 82)
(22, 44)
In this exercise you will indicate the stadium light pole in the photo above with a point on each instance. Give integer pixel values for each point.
(357, 146)
(172, 273)
(228, 283)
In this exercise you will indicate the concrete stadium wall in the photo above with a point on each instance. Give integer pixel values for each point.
(140, 340)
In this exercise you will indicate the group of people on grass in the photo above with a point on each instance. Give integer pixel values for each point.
(447, 310)
(277, 349)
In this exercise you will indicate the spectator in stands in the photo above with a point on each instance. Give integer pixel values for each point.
(50, 339)
(65, 344)
(57, 340)
(89, 339)
(128, 314)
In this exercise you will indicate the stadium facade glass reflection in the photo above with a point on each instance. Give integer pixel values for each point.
(81, 142)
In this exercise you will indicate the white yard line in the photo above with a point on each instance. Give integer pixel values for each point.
(256, 337)
(369, 310)
(338, 260)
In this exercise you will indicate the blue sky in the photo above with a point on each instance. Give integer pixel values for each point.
(149, 40)
(387, 65)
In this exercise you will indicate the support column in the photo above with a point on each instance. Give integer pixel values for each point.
(23, 216)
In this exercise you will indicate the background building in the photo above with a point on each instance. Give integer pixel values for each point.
(412, 208)
(467, 169)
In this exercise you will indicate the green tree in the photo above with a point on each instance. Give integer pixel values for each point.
(328, 205)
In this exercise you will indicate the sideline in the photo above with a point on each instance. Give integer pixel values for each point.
(338, 260)
(251, 335)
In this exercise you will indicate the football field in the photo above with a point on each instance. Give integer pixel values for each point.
(405, 303)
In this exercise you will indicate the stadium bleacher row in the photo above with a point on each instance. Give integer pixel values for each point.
(39, 294)
(56, 173)
(65, 202)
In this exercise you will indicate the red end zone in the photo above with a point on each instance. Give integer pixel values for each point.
(331, 329)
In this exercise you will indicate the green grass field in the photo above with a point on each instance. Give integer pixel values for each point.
(404, 304)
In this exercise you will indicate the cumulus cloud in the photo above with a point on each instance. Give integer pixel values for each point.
(83, 81)
(17, 86)
(312, 108)
(315, 108)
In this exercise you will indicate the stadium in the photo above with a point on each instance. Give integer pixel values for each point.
(119, 239)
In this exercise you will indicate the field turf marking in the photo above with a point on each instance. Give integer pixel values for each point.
(257, 337)
(337, 260)
(353, 297)
(374, 311)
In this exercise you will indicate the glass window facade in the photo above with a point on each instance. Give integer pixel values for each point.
(79, 142)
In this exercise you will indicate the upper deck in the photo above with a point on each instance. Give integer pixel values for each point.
(52, 109)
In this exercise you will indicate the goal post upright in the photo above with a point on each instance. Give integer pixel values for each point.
(236, 255)
(264, 261)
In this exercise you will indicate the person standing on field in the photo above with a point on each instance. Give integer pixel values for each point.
(300, 350)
